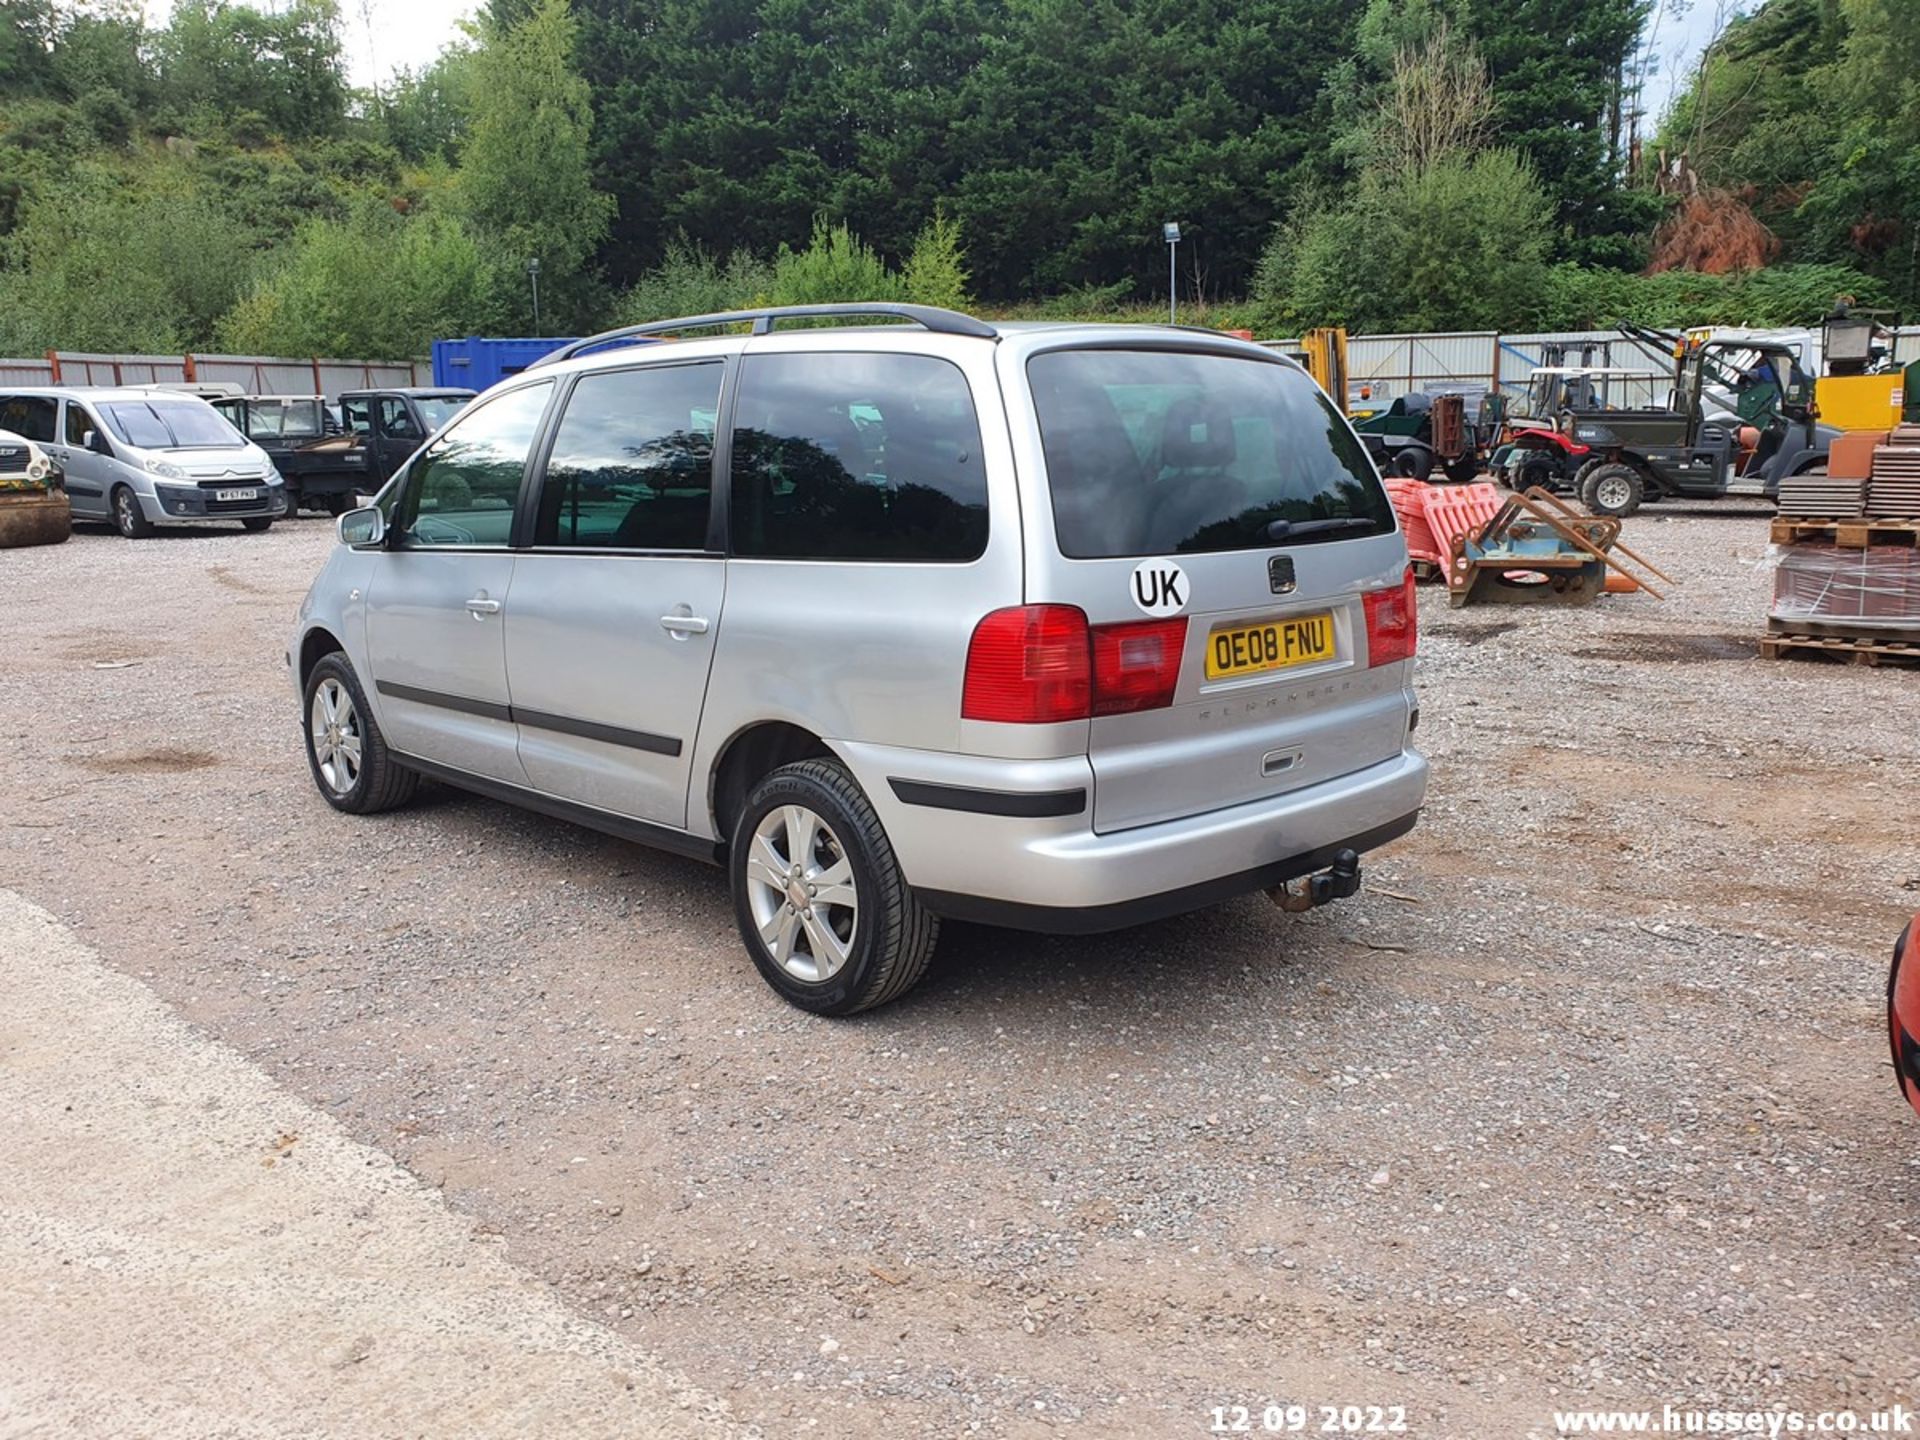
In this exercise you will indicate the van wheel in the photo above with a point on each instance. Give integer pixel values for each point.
(1615, 490)
(819, 897)
(345, 749)
(128, 518)
(258, 523)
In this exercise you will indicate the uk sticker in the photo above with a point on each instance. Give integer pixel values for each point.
(1159, 587)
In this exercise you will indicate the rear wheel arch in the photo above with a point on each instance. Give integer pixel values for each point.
(751, 754)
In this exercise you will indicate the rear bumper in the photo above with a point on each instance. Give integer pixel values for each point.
(1027, 860)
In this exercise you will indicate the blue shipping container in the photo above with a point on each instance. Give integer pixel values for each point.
(479, 361)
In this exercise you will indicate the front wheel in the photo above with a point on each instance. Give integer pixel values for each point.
(819, 897)
(1614, 490)
(258, 523)
(345, 750)
(128, 518)
(1465, 470)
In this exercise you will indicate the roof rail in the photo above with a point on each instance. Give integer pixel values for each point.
(930, 317)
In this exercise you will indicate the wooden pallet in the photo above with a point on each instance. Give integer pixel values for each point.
(1845, 630)
(1853, 534)
(1856, 650)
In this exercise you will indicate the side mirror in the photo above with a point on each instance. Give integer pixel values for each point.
(365, 526)
(97, 443)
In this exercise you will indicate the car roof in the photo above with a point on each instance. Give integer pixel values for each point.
(927, 330)
(418, 392)
(98, 392)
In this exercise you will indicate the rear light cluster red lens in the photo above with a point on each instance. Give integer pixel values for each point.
(1393, 622)
(1040, 664)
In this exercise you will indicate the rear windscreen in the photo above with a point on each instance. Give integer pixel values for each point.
(1154, 452)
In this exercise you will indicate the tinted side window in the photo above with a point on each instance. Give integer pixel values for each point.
(857, 457)
(396, 420)
(78, 423)
(632, 462)
(30, 415)
(462, 488)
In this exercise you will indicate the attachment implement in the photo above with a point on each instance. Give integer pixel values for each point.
(1537, 549)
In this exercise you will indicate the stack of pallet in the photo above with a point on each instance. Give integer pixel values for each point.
(1893, 490)
(1846, 582)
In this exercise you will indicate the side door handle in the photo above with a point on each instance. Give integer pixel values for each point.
(684, 624)
(480, 605)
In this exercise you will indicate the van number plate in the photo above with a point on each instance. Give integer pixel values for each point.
(226, 495)
(1242, 650)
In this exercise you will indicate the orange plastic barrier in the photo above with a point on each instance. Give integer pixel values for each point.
(1407, 504)
(1455, 510)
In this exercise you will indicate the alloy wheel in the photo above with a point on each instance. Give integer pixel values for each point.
(333, 727)
(800, 887)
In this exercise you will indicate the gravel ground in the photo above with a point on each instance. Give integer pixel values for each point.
(1584, 1101)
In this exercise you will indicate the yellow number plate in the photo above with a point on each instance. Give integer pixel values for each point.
(1241, 650)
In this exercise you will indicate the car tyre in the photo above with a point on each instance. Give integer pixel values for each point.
(346, 753)
(806, 833)
(1414, 463)
(1614, 490)
(257, 523)
(128, 518)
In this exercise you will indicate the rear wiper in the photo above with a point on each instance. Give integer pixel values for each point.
(1281, 530)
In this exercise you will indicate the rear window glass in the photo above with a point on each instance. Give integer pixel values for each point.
(1155, 452)
(857, 457)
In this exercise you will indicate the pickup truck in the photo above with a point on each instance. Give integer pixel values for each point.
(389, 425)
(323, 467)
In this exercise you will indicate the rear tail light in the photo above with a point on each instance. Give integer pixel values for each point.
(1137, 666)
(1393, 622)
(1029, 665)
(1039, 664)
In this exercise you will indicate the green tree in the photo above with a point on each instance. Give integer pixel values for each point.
(936, 270)
(692, 281)
(836, 266)
(372, 286)
(233, 61)
(101, 265)
(525, 181)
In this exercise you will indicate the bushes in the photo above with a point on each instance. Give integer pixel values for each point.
(836, 266)
(691, 281)
(1575, 298)
(373, 286)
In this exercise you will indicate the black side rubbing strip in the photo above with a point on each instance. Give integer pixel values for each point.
(538, 719)
(446, 702)
(594, 730)
(1028, 806)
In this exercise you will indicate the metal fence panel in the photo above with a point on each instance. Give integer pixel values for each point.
(78, 368)
(26, 372)
(1398, 364)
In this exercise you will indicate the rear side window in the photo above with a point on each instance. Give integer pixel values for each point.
(1156, 452)
(29, 415)
(857, 457)
(632, 462)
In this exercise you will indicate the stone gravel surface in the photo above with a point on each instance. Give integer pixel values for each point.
(1584, 1101)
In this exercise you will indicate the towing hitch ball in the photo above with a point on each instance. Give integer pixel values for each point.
(1305, 892)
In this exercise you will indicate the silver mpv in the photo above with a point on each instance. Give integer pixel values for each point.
(1062, 627)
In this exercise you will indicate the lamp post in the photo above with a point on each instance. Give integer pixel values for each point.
(533, 274)
(1170, 232)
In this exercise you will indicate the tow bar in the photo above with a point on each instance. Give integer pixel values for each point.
(1304, 892)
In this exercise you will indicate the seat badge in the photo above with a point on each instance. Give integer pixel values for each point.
(1280, 574)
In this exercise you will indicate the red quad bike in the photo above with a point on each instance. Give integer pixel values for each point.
(1903, 1011)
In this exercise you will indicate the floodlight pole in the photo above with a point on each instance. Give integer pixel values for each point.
(533, 274)
(1170, 232)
